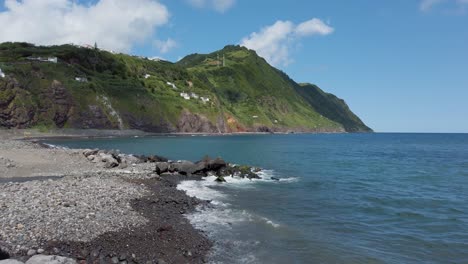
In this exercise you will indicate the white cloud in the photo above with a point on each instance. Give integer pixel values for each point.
(164, 46)
(218, 5)
(274, 42)
(313, 26)
(427, 5)
(454, 6)
(113, 24)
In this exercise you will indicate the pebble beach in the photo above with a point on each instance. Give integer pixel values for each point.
(107, 208)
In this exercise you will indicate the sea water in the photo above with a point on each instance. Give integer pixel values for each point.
(341, 198)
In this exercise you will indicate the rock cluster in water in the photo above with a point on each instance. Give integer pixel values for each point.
(114, 159)
(206, 167)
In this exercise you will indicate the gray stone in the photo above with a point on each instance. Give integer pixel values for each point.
(42, 259)
(40, 251)
(109, 160)
(161, 167)
(88, 152)
(32, 252)
(184, 167)
(10, 261)
(91, 158)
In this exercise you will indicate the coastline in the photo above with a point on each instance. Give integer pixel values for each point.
(33, 134)
(90, 213)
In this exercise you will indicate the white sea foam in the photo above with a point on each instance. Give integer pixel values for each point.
(270, 222)
(220, 218)
(52, 146)
(201, 190)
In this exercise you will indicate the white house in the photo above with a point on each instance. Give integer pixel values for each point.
(52, 59)
(194, 95)
(147, 76)
(49, 59)
(255, 117)
(186, 96)
(81, 79)
(205, 99)
(173, 85)
(2, 75)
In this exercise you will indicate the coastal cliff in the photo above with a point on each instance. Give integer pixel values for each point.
(228, 91)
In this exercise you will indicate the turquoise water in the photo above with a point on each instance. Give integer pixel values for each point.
(346, 198)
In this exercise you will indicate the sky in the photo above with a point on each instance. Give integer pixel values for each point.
(401, 65)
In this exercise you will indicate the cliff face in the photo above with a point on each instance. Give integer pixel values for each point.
(90, 88)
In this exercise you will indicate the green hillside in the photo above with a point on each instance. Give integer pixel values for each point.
(231, 90)
(331, 107)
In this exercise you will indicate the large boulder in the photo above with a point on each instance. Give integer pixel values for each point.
(130, 159)
(161, 167)
(43, 259)
(90, 152)
(109, 160)
(244, 172)
(184, 167)
(206, 165)
(216, 164)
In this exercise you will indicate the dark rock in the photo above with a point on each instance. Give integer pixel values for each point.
(161, 167)
(244, 172)
(274, 178)
(216, 164)
(264, 129)
(220, 179)
(4, 254)
(156, 158)
(184, 167)
(165, 228)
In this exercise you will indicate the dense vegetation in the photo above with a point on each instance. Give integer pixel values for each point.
(93, 88)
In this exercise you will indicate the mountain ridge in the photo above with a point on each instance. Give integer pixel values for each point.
(227, 91)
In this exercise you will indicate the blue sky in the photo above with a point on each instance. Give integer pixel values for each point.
(401, 65)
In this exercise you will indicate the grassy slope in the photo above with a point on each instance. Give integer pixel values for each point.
(331, 107)
(247, 86)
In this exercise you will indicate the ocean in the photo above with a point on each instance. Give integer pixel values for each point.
(341, 198)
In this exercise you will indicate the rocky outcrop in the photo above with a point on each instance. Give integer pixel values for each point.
(113, 158)
(55, 104)
(205, 167)
(16, 107)
(19, 109)
(195, 123)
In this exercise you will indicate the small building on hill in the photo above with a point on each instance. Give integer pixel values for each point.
(194, 95)
(43, 59)
(81, 79)
(205, 99)
(186, 96)
(2, 75)
(172, 85)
